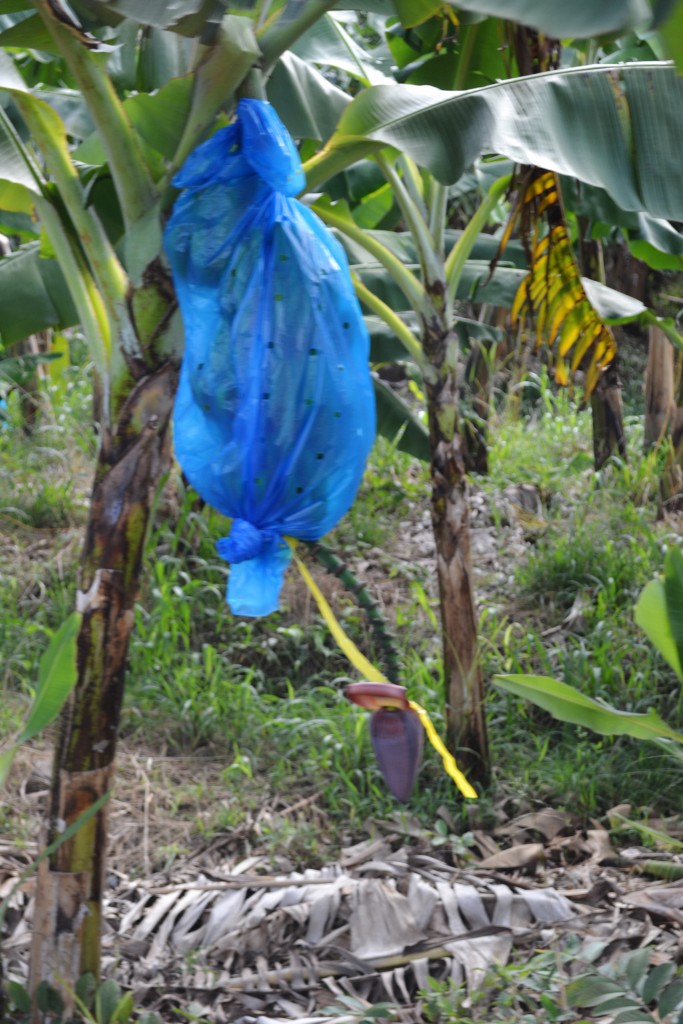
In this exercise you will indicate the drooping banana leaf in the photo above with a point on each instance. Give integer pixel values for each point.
(618, 128)
(553, 291)
(568, 704)
(399, 423)
(308, 103)
(184, 16)
(328, 43)
(33, 294)
(651, 239)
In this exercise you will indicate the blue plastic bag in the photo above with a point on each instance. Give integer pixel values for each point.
(275, 413)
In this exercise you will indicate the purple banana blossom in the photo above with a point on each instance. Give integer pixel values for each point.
(396, 732)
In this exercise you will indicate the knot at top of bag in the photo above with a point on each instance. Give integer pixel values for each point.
(247, 541)
(257, 143)
(258, 559)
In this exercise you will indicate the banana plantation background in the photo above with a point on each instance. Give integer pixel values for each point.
(505, 180)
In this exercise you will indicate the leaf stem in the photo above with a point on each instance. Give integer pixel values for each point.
(407, 282)
(438, 204)
(648, 317)
(470, 33)
(87, 299)
(460, 252)
(412, 180)
(432, 267)
(332, 159)
(280, 33)
(132, 180)
(106, 268)
(390, 318)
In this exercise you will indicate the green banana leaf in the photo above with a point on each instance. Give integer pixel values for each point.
(184, 16)
(399, 423)
(28, 34)
(33, 294)
(580, 19)
(309, 105)
(569, 705)
(618, 128)
(158, 119)
(57, 676)
(328, 43)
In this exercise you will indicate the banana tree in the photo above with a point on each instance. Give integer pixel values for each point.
(386, 115)
(109, 254)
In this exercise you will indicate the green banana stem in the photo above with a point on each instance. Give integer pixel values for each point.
(282, 31)
(460, 252)
(432, 266)
(407, 282)
(385, 640)
(133, 183)
(390, 318)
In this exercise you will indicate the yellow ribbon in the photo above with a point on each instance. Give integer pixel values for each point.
(449, 762)
(373, 675)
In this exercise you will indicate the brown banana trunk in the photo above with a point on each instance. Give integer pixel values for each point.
(464, 682)
(67, 921)
(664, 416)
(659, 389)
(607, 406)
(609, 435)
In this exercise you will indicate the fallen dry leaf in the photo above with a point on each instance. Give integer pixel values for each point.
(523, 856)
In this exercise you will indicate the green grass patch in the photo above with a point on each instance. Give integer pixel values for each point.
(265, 696)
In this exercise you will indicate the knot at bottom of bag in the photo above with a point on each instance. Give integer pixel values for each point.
(258, 561)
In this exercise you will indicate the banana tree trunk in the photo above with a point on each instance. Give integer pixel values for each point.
(664, 416)
(607, 406)
(464, 681)
(659, 389)
(609, 434)
(68, 913)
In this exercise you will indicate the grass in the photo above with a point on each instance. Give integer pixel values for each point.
(573, 615)
(266, 696)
